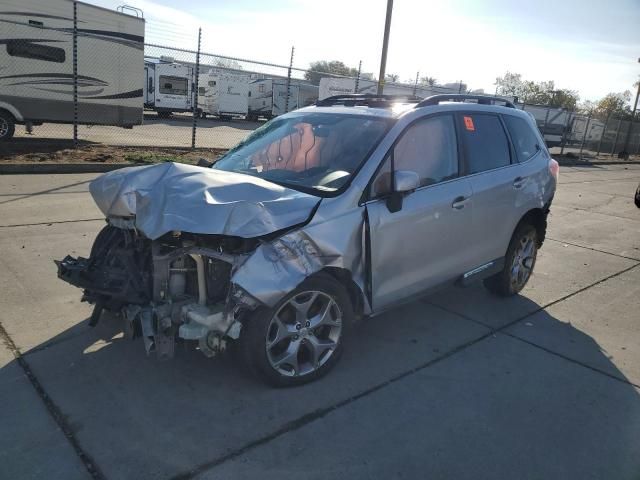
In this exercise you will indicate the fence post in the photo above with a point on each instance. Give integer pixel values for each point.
(415, 85)
(564, 133)
(195, 93)
(286, 103)
(358, 77)
(604, 131)
(615, 142)
(75, 74)
(546, 119)
(584, 136)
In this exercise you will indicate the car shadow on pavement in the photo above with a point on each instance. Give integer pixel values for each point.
(140, 418)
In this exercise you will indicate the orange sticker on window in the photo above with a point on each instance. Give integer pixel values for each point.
(468, 123)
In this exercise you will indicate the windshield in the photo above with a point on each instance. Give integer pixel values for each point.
(307, 151)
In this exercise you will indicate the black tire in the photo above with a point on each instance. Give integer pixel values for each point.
(502, 283)
(637, 197)
(7, 126)
(252, 345)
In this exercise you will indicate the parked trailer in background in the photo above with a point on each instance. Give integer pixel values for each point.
(268, 98)
(36, 65)
(340, 86)
(224, 95)
(552, 122)
(168, 86)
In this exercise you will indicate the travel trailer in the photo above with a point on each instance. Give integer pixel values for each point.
(36, 65)
(168, 86)
(224, 95)
(330, 86)
(268, 98)
(552, 122)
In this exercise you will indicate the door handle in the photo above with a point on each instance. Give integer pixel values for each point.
(519, 182)
(459, 202)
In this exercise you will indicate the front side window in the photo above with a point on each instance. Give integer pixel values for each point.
(428, 148)
(173, 85)
(523, 137)
(308, 151)
(485, 142)
(35, 51)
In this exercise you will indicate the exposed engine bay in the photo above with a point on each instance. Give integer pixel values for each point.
(177, 286)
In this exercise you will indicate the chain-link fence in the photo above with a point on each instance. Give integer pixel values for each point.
(79, 75)
(586, 135)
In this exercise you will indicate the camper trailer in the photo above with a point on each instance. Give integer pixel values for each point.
(167, 86)
(36, 65)
(224, 95)
(268, 98)
(340, 86)
(553, 123)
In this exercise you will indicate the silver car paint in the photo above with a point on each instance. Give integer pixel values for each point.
(336, 234)
(177, 197)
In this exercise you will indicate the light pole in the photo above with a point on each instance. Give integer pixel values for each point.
(624, 153)
(385, 45)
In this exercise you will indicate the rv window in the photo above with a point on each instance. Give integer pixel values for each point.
(212, 83)
(201, 91)
(26, 49)
(173, 85)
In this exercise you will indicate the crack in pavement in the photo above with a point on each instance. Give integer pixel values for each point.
(51, 223)
(593, 249)
(322, 412)
(58, 417)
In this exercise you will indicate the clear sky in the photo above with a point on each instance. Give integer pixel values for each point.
(587, 45)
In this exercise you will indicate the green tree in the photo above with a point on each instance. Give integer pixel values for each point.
(429, 81)
(613, 104)
(391, 77)
(541, 93)
(324, 68)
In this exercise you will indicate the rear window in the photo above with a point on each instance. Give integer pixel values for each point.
(485, 141)
(523, 137)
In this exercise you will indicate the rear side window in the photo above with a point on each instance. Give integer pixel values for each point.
(523, 137)
(485, 142)
(35, 51)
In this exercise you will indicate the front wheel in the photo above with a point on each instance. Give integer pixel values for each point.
(518, 263)
(302, 337)
(7, 126)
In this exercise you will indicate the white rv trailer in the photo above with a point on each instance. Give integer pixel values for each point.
(225, 95)
(342, 86)
(36, 65)
(268, 98)
(168, 86)
(552, 122)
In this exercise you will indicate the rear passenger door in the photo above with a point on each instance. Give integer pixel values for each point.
(493, 172)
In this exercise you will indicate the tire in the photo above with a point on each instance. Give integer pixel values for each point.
(277, 344)
(518, 263)
(7, 126)
(637, 197)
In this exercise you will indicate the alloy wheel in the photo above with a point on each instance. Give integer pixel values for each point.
(524, 258)
(303, 334)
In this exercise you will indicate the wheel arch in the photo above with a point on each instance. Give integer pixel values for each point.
(538, 218)
(11, 110)
(344, 277)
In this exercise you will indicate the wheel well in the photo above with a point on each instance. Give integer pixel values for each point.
(343, 276)
(4, 110)
(538, 218)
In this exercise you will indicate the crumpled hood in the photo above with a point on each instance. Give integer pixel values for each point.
(174, 196)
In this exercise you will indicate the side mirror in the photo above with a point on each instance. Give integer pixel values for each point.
(406, 181)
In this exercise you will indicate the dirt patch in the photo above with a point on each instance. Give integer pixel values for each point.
(62, 151)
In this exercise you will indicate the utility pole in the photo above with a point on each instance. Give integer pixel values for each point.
(624, 153)
(385, 45)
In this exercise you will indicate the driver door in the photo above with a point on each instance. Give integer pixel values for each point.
(423, 240)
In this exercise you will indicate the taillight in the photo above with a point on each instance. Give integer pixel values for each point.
(554, 168)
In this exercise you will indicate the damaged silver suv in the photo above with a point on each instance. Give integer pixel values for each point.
(320, 217)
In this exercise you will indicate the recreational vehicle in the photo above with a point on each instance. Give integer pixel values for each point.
(268, 98)
(339, 86)
(552, 122)
(36, 65)
(168, 86)
(224, 95)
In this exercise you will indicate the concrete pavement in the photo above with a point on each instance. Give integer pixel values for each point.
(458, 385)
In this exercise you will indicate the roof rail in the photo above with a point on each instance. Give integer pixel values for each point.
(366, 99)
(454, 97)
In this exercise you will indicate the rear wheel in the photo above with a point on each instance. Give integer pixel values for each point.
(519, 262)
(302, 337)
(7, 126)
